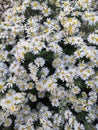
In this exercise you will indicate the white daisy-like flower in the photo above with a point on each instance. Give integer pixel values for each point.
(35, 5)
(46, 11)
(44, 72)
(11, 81)
(39, 61)
(67, 114)
(2, 87)
(75, 90)
(7, 122)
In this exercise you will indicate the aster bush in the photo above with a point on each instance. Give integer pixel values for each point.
(49, 65)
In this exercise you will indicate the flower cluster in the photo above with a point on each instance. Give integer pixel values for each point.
(49, 65)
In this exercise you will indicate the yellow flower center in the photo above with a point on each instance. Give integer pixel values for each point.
(1, 87)
(16, 98)
(7, 122)
(35, 4)
(97, 39)
(8, 101)
(10, 81)
(46, 11)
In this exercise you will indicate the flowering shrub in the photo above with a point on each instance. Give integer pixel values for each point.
(49, 65)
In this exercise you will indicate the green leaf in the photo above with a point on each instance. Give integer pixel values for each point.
(87, 126)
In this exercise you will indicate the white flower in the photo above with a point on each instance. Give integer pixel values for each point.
(46, 124)
(39, 61)
(44, 72)
(46, 11)
(32, 98)
(6, 103)
(78, 126)
(11, 81)
(75, 89)
(3, 70)
(18, 98)
(40, 86)
(41, 94)
(55, 102)
(7, 122)
(33, 69)
(35, 5)
(57, 119)
(2, 87)
(96, 126)
(67, 114)
(21, 127)
(93, 38)
(55, 48)
(67, 127)
(50, 85)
